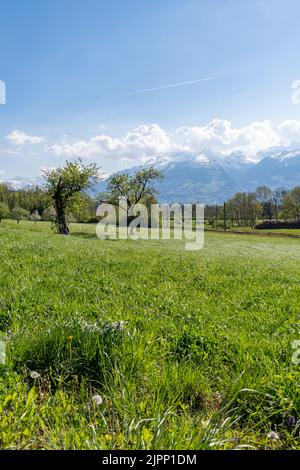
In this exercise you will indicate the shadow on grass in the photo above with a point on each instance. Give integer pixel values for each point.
(83, 235)
(89, 236)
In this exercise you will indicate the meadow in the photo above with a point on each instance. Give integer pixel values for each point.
(143, 345)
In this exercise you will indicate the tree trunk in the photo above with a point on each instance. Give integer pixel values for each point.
(63, 228)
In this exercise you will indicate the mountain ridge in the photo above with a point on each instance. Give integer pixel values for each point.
(211, 177)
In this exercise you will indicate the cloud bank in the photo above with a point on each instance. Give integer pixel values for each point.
(146, 141)
(150, 140)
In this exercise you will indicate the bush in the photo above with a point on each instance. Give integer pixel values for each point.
(272, 224)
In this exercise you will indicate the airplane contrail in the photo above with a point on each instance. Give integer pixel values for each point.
(162, 87)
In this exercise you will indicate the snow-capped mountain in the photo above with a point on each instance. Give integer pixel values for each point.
(192, 178)
(207, 176)
(236, 160)
(211, 177)
(279, 168)
(19, 182)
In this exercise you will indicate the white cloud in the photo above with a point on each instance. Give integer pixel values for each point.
(20, 138)
(219, 135)
(139, 144)
(146, 141)
(289, 132)
(149, 141)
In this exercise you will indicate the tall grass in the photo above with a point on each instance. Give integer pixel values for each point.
(186, 350)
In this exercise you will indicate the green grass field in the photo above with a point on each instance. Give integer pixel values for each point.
(260, 232)
(188, 350)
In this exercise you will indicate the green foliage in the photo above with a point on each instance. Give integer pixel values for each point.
(4, 211)
(244, 209)
(18, 213)
(66, 186)
(136, 188)
(70, 180)
(31, 199)
(39, 203)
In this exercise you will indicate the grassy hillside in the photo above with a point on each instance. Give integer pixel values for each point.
(186, 349)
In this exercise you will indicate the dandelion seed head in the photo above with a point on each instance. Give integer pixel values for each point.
(34, 374)
(97, 399)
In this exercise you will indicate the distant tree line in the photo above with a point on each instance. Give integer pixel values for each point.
(250, 208)
(34, 203)
(64, 198)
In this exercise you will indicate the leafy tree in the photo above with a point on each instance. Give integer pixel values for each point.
(66, 184)
(5, 190)
(136, 188)
(292, 203)
(243, 209)
(81, 208)
(264, 196)
(277, 200)
(211, 214)
(18, 213)
(4, 211)
(35, 216)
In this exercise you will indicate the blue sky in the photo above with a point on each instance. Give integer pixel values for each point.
(66, 62)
